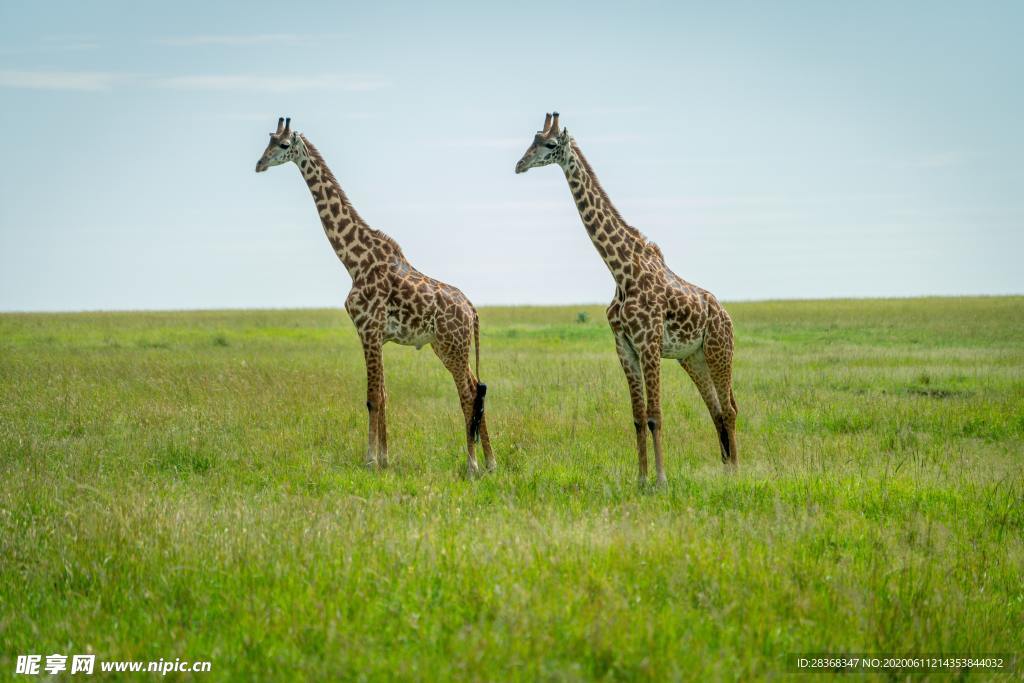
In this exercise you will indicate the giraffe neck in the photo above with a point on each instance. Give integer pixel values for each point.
(621, 246)
(356, 244)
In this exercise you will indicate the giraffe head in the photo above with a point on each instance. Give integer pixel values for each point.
(285, 145)
(549, 146)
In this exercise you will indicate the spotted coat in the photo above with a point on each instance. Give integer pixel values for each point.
(390, 300)
(655, 313)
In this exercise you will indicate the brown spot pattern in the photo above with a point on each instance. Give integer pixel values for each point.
(391, 301)
(655, 313)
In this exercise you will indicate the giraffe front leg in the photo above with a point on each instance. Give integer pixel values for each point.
(650, 360)
(374, 399)
(634, 377)
(382, 424)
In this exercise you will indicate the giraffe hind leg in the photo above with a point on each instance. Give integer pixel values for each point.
(485, 442)
(718, 349)
(696, 367)
(480, 391)
(478, 422)
(727, 425)
(456, 360)
(723, 439)
(482, 436)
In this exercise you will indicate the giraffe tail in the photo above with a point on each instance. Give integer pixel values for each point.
(476, 341)
(481, 388)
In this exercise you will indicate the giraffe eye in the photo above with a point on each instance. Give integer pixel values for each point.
(283, 145)
(551, 145)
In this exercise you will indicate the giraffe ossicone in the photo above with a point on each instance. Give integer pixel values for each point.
(390, 300)
(655, 313)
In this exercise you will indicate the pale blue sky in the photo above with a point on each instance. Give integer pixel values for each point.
(771, 149)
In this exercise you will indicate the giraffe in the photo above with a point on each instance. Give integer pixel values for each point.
(655, 313)
(390, 300)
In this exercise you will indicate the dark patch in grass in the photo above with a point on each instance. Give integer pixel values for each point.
(182, 460)
(923, 387)
(901, 440)
(935, 392)
(220, 340)
(980, 428)
(850, 389)
(846, 424)
(555, 333)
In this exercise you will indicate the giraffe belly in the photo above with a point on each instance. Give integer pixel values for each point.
(678, 345)
(407, 335)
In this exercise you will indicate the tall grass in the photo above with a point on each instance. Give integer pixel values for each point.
(190, 485)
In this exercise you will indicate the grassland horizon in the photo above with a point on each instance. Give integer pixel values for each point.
(582, 305)
(190, 484)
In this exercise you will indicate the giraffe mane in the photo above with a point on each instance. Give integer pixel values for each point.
(656, 251)
(647, 245)
(315, 154)
(318, 158)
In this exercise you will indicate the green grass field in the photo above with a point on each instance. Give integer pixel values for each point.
(191, 485)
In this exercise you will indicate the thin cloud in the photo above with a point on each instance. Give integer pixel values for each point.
(272, 116)
(274, 83)
(937, 160)
(522, 141)
(476, 142)
(615, 138)
(767, 200)
(64, 43)
(237, 40)
(617, 110)
(58, 80)
(54, 44)
(85, 81)
(497, 206)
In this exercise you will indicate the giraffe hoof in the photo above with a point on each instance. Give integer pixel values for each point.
(492, 466)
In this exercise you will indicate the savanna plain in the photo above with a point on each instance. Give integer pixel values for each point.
(191, 485)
